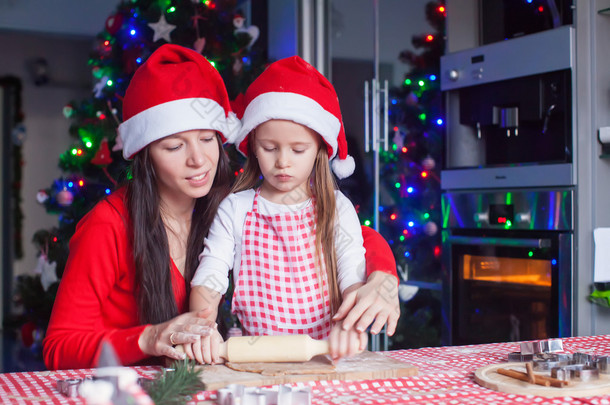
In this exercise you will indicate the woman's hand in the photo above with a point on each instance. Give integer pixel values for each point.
(188, 328)
(345, 343)
(206, 350)
(376, 303)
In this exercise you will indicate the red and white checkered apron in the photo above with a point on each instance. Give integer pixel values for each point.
(279, 290)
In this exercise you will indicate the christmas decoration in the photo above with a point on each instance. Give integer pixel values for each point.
(430, 228)
(428, 163)
(47, 271)
(410, 191)
(99, 86)
(42, 196)
(114, 23)
(65, 197)
(102, 157)
(162, 29)
(199, 45)
(177, 386)
(29, 333)
(68, 110)
(252, 31)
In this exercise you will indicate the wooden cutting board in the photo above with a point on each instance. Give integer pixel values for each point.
(488, 377)
(366, 365)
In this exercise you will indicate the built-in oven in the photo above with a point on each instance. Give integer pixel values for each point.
(508, 189)
(508, 265)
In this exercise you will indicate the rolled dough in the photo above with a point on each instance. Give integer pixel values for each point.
(317, 365)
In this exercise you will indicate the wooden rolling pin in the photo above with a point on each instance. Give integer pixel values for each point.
(271, 349)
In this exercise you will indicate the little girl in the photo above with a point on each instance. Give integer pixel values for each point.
(293, 241)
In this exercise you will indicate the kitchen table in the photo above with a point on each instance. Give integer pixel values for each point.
(446, 376)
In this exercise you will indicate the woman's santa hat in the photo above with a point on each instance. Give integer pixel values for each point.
(292, 89)
(175, 90)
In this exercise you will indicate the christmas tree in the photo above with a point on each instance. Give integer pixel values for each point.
(410, 214)
(93, 166)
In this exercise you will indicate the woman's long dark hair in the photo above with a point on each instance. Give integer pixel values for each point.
(155, 296)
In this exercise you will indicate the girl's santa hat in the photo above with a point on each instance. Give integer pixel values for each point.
(175, 90)
(292, 89)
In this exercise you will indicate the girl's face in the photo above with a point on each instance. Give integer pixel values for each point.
(185, 164)
(286, 153)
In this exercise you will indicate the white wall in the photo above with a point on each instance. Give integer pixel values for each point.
(47, 129)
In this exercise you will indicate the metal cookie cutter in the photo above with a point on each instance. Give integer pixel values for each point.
(70, 386)
(542, 346)
(519, 357)
(603, 364)
(587, 373)
(236, 394)
(583, 358)
(581, 372)
(547, 361)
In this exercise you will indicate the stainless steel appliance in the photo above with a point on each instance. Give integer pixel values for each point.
(508, 262)
(509, 107)
(508, 190)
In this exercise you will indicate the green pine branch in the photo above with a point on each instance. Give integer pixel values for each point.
(178, 386)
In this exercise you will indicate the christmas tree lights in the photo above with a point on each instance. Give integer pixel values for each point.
(411, 217)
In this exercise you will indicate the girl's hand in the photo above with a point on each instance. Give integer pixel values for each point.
(188, 328)
(376, 303)
(345, 343)
(207, 349)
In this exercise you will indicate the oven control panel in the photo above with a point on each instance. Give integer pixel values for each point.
(501, 214)
(505, 60)
(541, 210)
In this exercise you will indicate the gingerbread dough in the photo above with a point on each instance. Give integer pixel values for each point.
(317, 365)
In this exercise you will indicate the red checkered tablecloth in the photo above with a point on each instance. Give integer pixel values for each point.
(445, 377)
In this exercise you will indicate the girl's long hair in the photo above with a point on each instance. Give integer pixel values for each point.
(155, 295)
(322, 186)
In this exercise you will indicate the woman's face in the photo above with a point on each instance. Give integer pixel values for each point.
(185, 164)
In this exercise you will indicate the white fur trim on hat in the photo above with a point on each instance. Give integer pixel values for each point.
(172, 117)
(294, 107)
(343, 167)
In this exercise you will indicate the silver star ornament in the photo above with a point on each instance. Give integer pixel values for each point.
(162, 29)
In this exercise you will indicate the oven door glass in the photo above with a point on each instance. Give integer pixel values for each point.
(504, 286)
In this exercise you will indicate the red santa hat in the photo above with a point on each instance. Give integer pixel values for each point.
(292, 89)
(175, 90)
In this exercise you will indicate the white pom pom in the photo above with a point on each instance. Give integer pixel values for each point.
(343, 167)
(233, 127)
(406, 292)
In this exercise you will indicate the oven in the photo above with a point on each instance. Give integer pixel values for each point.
(508, 189)
(508, 261)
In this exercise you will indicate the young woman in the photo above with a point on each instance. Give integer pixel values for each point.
(293, 241)
(132, 257)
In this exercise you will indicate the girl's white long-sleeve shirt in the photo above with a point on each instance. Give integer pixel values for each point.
(222, 250)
